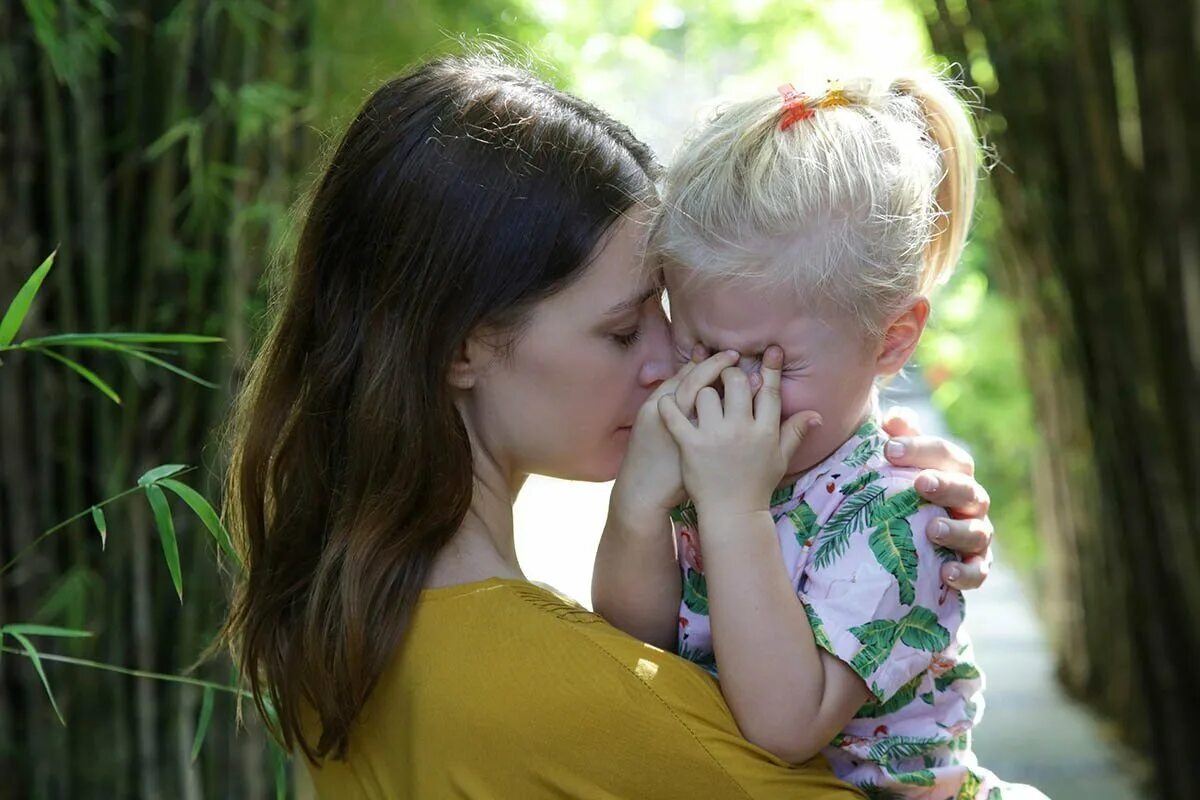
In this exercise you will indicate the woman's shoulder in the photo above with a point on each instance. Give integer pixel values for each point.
(523, 687)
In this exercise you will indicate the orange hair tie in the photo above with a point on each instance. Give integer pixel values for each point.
(795, 106)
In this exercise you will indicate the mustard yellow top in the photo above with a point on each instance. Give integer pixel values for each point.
(504, 689)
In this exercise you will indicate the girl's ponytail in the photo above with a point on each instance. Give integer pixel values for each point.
(950, 128)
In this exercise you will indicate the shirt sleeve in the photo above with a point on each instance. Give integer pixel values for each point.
(872, 585)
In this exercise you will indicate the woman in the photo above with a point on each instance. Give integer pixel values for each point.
(466, 307)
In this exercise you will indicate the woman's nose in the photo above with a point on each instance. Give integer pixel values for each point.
(655, 369)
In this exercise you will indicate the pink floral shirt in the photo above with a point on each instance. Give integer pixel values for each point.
(852, 536)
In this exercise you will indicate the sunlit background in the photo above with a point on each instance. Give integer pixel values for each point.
(160, 146)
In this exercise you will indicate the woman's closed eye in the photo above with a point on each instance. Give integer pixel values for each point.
(627, 339)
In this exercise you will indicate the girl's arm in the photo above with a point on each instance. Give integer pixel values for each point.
(635, 582)
(788, 695)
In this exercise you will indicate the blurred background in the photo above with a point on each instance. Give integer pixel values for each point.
(159, 147)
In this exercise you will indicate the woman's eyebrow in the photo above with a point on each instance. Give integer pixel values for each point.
(633, 303)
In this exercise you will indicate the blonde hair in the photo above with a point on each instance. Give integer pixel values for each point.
(865, 202)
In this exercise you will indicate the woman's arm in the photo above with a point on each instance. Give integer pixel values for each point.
(635, 582)
(948, 480)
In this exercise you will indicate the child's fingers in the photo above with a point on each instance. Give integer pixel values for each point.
(766, 400)
(676, 422)
(793, 431)
(708, 407)
(703, 374)
(738, 402)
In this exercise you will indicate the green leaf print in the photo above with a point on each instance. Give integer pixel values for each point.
(878, 637)
(859, 482)
(920, 630)
(805, 520)
(994, 794)
(852, 516)
(928, 698)
(707, 660)
(921, 777)
(685, 515)
(782, 494)
(818, 628)
(894, 748)
(892, 544)
(695, 592)
(862, 454)
(902, 504)
(868, 428)
(874, 792)
(903, 696)
(971, 785)
(962, 671)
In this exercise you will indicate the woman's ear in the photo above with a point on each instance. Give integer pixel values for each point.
(901, 337)
(469, 362)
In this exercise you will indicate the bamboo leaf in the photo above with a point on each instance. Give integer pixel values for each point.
(101, 525)
(86, 373)
(206, 513)
(33, 629)
(37, 665)
(127, 338)
(19, 307)
(166, 534)
(158, 362)
(158, 473)
(206, 708)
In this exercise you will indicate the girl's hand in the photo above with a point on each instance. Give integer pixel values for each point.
(948, 480)
(737, 452)
(650, 482)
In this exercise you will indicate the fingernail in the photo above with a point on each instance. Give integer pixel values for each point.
(895, 448)
(815, 422)
(940, 529)
(952, 575)
(928, 483)
(733, 354)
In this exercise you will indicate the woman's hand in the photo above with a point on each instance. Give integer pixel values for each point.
(650, 482)
(948, 480)
(735, 454)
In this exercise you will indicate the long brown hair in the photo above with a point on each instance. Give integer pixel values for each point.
(462, 193)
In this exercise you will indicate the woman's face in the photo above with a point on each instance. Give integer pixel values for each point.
(563, 401)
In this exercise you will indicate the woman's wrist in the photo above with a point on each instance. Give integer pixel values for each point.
(636, 516)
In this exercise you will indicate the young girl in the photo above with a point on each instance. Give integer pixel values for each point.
(804, 232)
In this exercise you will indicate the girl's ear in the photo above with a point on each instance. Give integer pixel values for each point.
(901, 337)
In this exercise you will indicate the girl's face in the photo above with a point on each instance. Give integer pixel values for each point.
(563, 400)
(829, 364)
